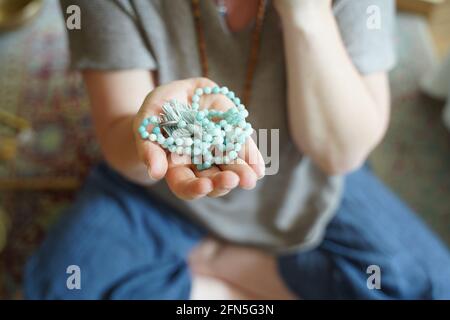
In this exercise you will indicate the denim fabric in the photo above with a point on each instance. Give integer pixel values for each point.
(130, 245)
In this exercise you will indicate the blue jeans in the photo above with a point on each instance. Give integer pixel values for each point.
(129, 245)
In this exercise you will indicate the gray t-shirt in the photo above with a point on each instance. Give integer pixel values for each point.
(289, 209)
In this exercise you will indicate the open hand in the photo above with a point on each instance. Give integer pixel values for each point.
(182, 177)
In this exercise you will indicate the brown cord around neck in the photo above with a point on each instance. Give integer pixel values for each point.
(254, 49)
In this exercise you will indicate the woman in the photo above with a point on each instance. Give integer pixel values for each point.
(314, 70)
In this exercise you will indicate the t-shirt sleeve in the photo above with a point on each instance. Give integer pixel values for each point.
(109, 37)
(367, 28)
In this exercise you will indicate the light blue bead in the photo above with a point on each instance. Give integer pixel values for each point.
(218, 160)
(224, 90)
(216, 90)
(195, 98)
(182, 124)
(198, 143)
(161, 138)
(200, 115)
(154, 120)
(205, 122)
(169, 141)
(142, 129)
(197, 151)
(207, 90)
(172, 148)
(244, 113)
(179, 141)
(237, 101)
(187, 151)
(208, 138)
(146, 122)
(156, 130)
(218, 140)
(241, 140)
(233, 155)
(144, 135)
(188, 142)
(195, 106)
(200, 167)
(237, 147)
(199, 91)
(223, 123)
(241, 107)
(231, 95)
(206, 165)
(208, 157)
(248, 126)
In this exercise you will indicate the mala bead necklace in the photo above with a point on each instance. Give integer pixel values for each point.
(210, 137)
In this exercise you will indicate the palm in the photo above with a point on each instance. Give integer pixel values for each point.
(182, 178)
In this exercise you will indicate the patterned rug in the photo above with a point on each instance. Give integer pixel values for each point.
(35, 84)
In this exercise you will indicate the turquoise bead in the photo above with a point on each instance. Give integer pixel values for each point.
(231, 95)
(207, 165)
(207, 90)
(200, 115)
(154, 120)
(161, 139)
(197, 151)
(209, 129)
(169, 141)
(188, 142)
(156, 130)
(152, 137)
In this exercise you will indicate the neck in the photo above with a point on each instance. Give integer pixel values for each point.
(240, 14)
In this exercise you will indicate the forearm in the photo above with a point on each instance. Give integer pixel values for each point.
(115, 98)
(333, 116)
(119, 149)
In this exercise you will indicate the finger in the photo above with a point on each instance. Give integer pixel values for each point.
(253, 157)
(247, 177)
(222, 180)
(185, 185)
(182, 180)
(153, 156)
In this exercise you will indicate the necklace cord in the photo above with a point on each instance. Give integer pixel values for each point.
(254, 50)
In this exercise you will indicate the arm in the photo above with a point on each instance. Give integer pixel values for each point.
(120, 100)
(337, 116)
(115, 98)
